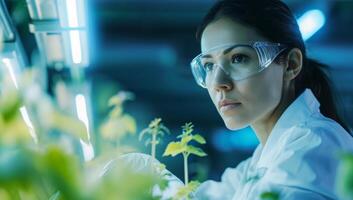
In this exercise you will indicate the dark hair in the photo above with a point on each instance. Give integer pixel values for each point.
(274, 20)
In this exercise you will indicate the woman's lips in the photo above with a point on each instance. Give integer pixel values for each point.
(229, 107)
(227, 104)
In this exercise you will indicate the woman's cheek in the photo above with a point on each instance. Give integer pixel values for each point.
(260, 93)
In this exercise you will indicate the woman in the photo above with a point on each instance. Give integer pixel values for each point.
(255, 68)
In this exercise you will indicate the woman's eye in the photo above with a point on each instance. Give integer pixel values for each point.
(239, 58)
(208, 66)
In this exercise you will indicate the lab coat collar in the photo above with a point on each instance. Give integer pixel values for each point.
(300, 109)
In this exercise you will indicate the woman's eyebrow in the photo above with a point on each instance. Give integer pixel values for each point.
(227, 50)
(230, 49)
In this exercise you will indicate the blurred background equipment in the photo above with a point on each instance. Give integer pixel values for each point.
(60, 30)
(12, 55)
(87, 50)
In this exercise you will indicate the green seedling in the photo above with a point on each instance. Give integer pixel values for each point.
(183, 147)
(155, 129)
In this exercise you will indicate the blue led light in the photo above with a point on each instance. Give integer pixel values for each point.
(311, 22)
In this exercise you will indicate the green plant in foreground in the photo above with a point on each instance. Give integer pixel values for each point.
(155, 129)
(51, 167)
(344, 181)
(269, 196)
(183, 147)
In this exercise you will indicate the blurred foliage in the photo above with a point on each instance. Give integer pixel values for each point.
(118, 124)
(31, 174)
(270, 196)
(344, 181)
(40, 160)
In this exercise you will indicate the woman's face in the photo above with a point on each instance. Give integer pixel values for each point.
(252, 99)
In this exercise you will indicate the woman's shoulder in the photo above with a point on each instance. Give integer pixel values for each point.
(320, 131)
(307, 155)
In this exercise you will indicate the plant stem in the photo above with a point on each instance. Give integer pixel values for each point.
(186, 176)
(153, 144)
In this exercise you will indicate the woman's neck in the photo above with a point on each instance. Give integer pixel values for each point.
(263, 127)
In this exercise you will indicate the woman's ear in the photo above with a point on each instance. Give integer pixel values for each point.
(294, 65)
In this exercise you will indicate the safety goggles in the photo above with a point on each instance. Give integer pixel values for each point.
(238, 61)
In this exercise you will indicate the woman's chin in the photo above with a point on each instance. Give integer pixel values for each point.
(235, 124)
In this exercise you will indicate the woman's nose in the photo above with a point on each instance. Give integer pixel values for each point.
(222, 81)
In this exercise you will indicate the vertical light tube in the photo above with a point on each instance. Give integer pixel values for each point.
(75, 39)
(81, 108)
(72, 13)
(9, 66)
(75, 44)
(28, 122)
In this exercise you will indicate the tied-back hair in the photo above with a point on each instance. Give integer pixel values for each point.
(274, 20)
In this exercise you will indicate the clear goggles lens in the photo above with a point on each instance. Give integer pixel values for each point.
(238, 61)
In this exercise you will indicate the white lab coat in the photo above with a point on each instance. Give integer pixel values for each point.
(299, 159)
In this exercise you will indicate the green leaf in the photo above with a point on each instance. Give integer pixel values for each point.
(186, 139)
(269, 196)
(155, 123)
(195, 150)
(164, 129)
(64, 171)
(117, 111)
(185, 191)
(161, 133)
(188, 128)
(120, 98)
(115, 100)
(174, 148)
(130, 123)
(70, 125)
(344, 185)
(198, 138)
(143, 132)
(10, 105)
